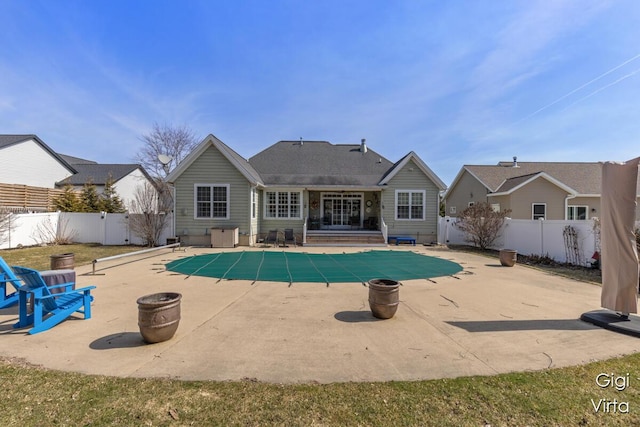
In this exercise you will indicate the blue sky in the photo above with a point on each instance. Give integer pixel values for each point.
(458, 82)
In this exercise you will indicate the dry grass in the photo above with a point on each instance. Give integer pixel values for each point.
(37, 257)
(585, 274)
(555, 397)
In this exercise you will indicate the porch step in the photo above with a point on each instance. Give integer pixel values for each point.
(345, 238)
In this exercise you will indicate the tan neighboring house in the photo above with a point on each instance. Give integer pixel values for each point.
(326, 193)
(532, 190)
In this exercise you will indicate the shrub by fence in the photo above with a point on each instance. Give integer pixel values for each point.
(103, 228)
(530, 237)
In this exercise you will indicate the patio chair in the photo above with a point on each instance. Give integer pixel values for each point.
(354, 221)
(289, 237)
(272, 237)
(371, 223)
(49, 309)
(7, 276)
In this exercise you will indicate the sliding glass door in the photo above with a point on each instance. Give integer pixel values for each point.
(342, 210)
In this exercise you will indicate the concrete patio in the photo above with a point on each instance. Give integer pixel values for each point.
(488, 319)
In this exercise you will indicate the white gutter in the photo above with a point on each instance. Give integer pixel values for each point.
(566, 205)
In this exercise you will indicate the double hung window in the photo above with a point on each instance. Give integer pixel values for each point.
(212, 201)
(410, 204)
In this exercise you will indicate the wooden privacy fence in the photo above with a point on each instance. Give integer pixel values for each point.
(20, 198)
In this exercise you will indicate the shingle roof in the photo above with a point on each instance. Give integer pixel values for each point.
(8, 140)
(585, 178)
(319, 163)
(511, 183)
(99, 173)
(239, 161)
(76, 160)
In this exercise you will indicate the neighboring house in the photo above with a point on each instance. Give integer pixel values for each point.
(26, 160)
(532, 190)
(32, 174)
(326, 193)
(127, 178)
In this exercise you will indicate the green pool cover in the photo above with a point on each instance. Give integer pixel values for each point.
(299, 267)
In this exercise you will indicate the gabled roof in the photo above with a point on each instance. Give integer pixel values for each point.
(76, 160)
(9, 140)
(512, 184)
(320, 164)
(583, 178)
(234, 158)
(98, 174)
(418, 161)
(317, 164)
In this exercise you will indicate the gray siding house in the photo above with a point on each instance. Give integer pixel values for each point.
(326, 193)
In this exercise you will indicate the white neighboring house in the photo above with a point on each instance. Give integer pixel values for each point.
(27, 160)
(127, 178)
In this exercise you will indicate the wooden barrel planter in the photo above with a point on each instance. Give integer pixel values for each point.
(63, 261)
(384, 297)
(159, 316)
(508, 257)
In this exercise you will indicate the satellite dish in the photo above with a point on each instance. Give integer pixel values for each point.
(164, 159)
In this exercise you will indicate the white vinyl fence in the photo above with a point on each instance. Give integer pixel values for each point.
(103, 228)
(532, 237)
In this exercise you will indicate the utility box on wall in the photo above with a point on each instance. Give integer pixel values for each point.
(224, 237)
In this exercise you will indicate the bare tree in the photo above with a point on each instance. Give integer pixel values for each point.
(481, 224)
(149, 212)
(175, 142)
(7, 224)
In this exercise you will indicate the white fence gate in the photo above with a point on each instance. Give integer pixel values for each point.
(104, 228)
(532, 237)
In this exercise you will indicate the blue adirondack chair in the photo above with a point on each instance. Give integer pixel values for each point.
(49, 309)
(7, 277)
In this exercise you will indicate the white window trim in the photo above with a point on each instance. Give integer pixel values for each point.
(253, 203)
(538, 204)
(586, 211)
(424, 205)
(195, 201)
(265, 199)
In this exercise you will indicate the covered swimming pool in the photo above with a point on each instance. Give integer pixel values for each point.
(302, 267)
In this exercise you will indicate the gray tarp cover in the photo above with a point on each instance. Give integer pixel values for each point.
(619, 251)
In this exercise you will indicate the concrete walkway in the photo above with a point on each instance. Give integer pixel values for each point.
(487, 319)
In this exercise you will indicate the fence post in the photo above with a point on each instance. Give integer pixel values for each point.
(541, 236)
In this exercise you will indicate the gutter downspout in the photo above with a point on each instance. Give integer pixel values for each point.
(172, 189)
(566, 205)
(252, 193)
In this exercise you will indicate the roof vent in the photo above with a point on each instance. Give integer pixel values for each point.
(301, 141)
(515, 162)
(363, 145)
